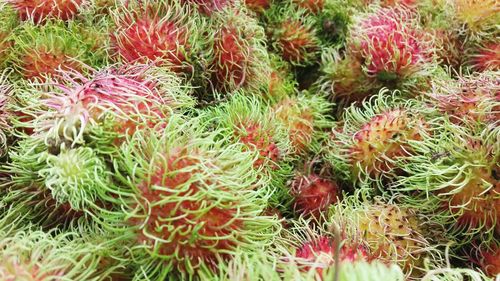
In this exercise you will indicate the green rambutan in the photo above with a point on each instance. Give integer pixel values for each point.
(190, 200)
(38, 11)
(40, 51)
(293, 35)
(281, 82)
(370, 141)
(305, 117)
(238, 58)
(161, 32)
(473, 97)
(455, 179)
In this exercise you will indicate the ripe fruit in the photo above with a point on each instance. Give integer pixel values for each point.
(313, 194)
(158, 32)
(479, 17)
(39, 11)
(487, 57)
(5, 126)
(9, 22)
(192, 200)
(208, 7)
(486, 257)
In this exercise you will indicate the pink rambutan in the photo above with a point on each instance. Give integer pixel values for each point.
(313, 194)
(253, 135)
(40, 10)
(153, 32)
(487, 57)
(390, 44)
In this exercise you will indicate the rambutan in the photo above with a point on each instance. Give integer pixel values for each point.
(293, 35)
(9, 22)
(487, 258)
(281, 83)
(5, 126)
(478, 18)
(487, 57)
(374, 138)
(40, 51)
(239, 58)
(313, 194)
(258, 5)
(154, 31)
(192, 200)
(472, 97)
(455, 178)
(39, 11)
(305, 117)
(391, 45)
(313, 6)
(208, 7)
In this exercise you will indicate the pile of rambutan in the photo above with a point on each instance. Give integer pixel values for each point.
(248, 140)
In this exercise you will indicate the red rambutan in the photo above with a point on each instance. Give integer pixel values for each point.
(258, 5)
(313, 194)
(313, 6)
(40, 10)
(208, 7)
(488, 259)
(487, 57)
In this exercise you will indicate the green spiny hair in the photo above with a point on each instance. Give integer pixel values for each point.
(478, 20)
(237, 52)
(293, 35)
(306, 117)
(453, 175)
(373, 271)
(9, 22)
(248, 121)
(370, 140)
(37, 255)
(39, 51)
(188, 199)
(393, 232)
(5, 126)
(281, 83)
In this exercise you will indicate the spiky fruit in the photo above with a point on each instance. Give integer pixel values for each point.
(487, 258)
(258, 5)
(40, 51)
(313, 6)
(456, 179)
(154, 31)
(281, 83)
(192, 200)
(5, 126)
(9, 22)
(391, 45)
(313, 194)
(373, 271)
(305, 117)
(478, 18)
(39, 11)
(343, 78)
(34, 255)
(239, 57)
(487, 57)
(473, 97)
(371, 140)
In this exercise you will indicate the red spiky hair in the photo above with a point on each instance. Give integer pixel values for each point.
(151, 33)
(42, 62)
(40, 10)
(258, 5)
(252, 134)
(208, 7)
(487, 57)
(296, 41)
(313, 6)
(313, 194)
(489, 261)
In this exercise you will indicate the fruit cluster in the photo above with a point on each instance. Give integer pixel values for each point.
(249, 140)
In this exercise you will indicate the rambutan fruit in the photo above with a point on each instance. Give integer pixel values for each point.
(343, 78)
(258, 6)
(38, 11)
(9, 22)
(479, 19)
(313, 6)
(191, 200)
(239, 58)
(392, 46)
(5, 126)
(208, 7)
(472, 97)
(373, 138)
(161, 32)
(455, 179)
(281, 82)
(34, 255)
(293, 35)
(487, 258)
(40, 51)
(305, 117)
(487, 57)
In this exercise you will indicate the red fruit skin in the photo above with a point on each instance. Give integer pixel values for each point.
(313, 6)
(490, 261)
(208, 7)
(42, 62)
(142, 37)
(320, 254)
(313, 194)
(487, 57)
(296, 41)
(255, 138)
(40, 10)
(231, 54)
(184, 216)
(258, 5)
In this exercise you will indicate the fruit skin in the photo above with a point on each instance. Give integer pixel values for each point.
(204, 191)
(313, 194)
(393, 48)
(39, 11)
(370, 141)
(486, 57)
(239, 58)
(454, 178)
(305, 117)
(155, 31)
(486, 257)
(40, 51)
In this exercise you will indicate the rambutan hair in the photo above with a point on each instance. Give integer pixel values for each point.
(486, 57)
(162, 32)
(208, 7)
(38, 11)
(5, 126)
(478, 19)
(485, 256)
(455, 178)
(392, 47)
(371, 140)
(305, 117)
(189, 200)
(9, 22)
(238, 58)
